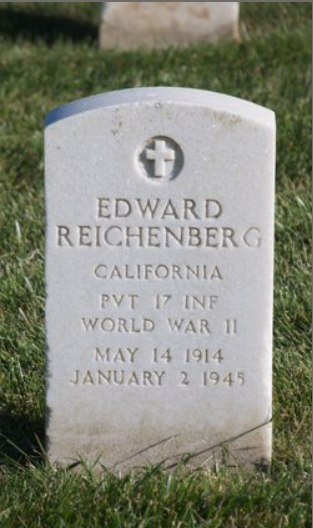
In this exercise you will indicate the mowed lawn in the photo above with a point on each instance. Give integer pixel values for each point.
(49, 56)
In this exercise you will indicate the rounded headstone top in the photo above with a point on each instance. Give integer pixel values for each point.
(163, 95)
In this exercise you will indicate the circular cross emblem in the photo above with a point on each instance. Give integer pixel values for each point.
(161, 159)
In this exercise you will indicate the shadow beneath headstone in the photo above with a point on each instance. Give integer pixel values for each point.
(17, 23)
(21, 438)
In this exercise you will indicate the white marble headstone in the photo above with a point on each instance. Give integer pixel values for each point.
(159, 278)
(129, 25)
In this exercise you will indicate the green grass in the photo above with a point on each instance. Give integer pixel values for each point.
(48, 56)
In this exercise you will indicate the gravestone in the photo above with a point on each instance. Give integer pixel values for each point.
(129, 25)
(159, 278)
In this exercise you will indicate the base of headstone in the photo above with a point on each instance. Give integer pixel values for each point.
(130, 25)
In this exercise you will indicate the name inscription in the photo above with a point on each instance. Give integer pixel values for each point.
(178, 235)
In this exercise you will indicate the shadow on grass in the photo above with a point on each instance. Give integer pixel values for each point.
(21, 438)
(17, 23)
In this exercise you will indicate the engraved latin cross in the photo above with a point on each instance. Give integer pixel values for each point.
(160, 155)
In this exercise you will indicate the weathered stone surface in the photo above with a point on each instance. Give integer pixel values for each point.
(129, 25)
(159, 278)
